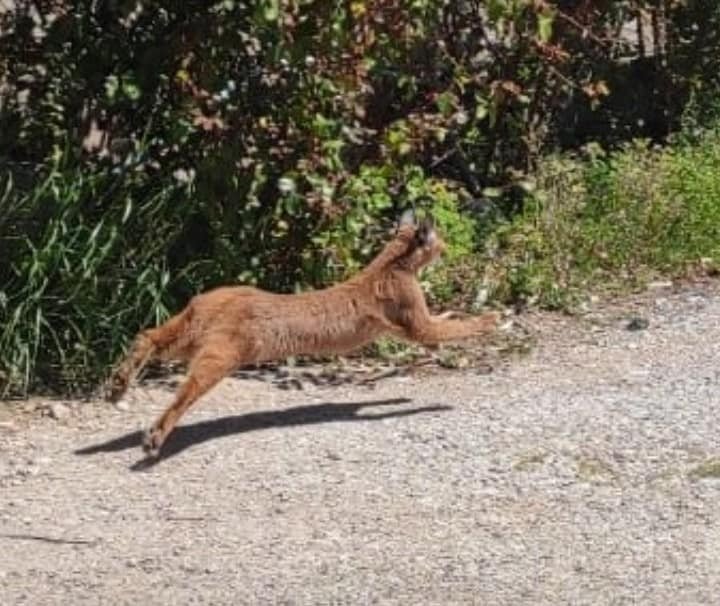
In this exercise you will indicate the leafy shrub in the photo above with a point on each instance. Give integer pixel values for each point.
(151, 150)
(611, 221)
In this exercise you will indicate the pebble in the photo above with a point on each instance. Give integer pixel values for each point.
(637, 323)
(58, 411)
(660, 285)
(122, 405)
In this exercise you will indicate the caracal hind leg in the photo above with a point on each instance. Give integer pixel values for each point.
(143, 348)
(146, 345)
(206, 370)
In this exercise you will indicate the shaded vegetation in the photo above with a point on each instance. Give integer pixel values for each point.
(150, 150)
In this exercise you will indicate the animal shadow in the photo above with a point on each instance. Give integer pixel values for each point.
(186, 436)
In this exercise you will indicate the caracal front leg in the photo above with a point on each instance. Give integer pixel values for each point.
(206, 370)
(433, 330)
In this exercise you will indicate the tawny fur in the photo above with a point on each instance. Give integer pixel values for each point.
(229, 327)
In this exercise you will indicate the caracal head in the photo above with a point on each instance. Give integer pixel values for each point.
(424, 244)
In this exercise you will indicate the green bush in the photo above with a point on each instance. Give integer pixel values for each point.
(152, 150)
(611, 222)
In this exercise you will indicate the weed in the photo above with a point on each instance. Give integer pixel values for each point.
(530, 461)
(709, 469)
(611, 223)
(592, 469)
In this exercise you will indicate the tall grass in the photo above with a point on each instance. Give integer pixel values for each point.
(79, 271)
(611, 221)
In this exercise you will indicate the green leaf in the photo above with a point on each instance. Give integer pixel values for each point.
(131, 90)
(446, 103)
(527, 185)
(497, 9)
(545, 26)
(272, 10)
(127, 211)
(111, 86)
(404, 149)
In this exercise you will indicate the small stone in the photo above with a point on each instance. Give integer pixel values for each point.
(637, 323)
(58, 411)
(709, 266)
(660, 285)
(454, 361)
(506, 326)
(296, 384)
(122, 405)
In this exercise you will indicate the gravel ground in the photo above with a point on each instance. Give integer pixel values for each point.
(585, 472)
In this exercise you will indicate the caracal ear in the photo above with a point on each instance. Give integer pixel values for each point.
(407, 218)
(426, 233)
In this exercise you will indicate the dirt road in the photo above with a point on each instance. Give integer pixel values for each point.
(584, 473)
